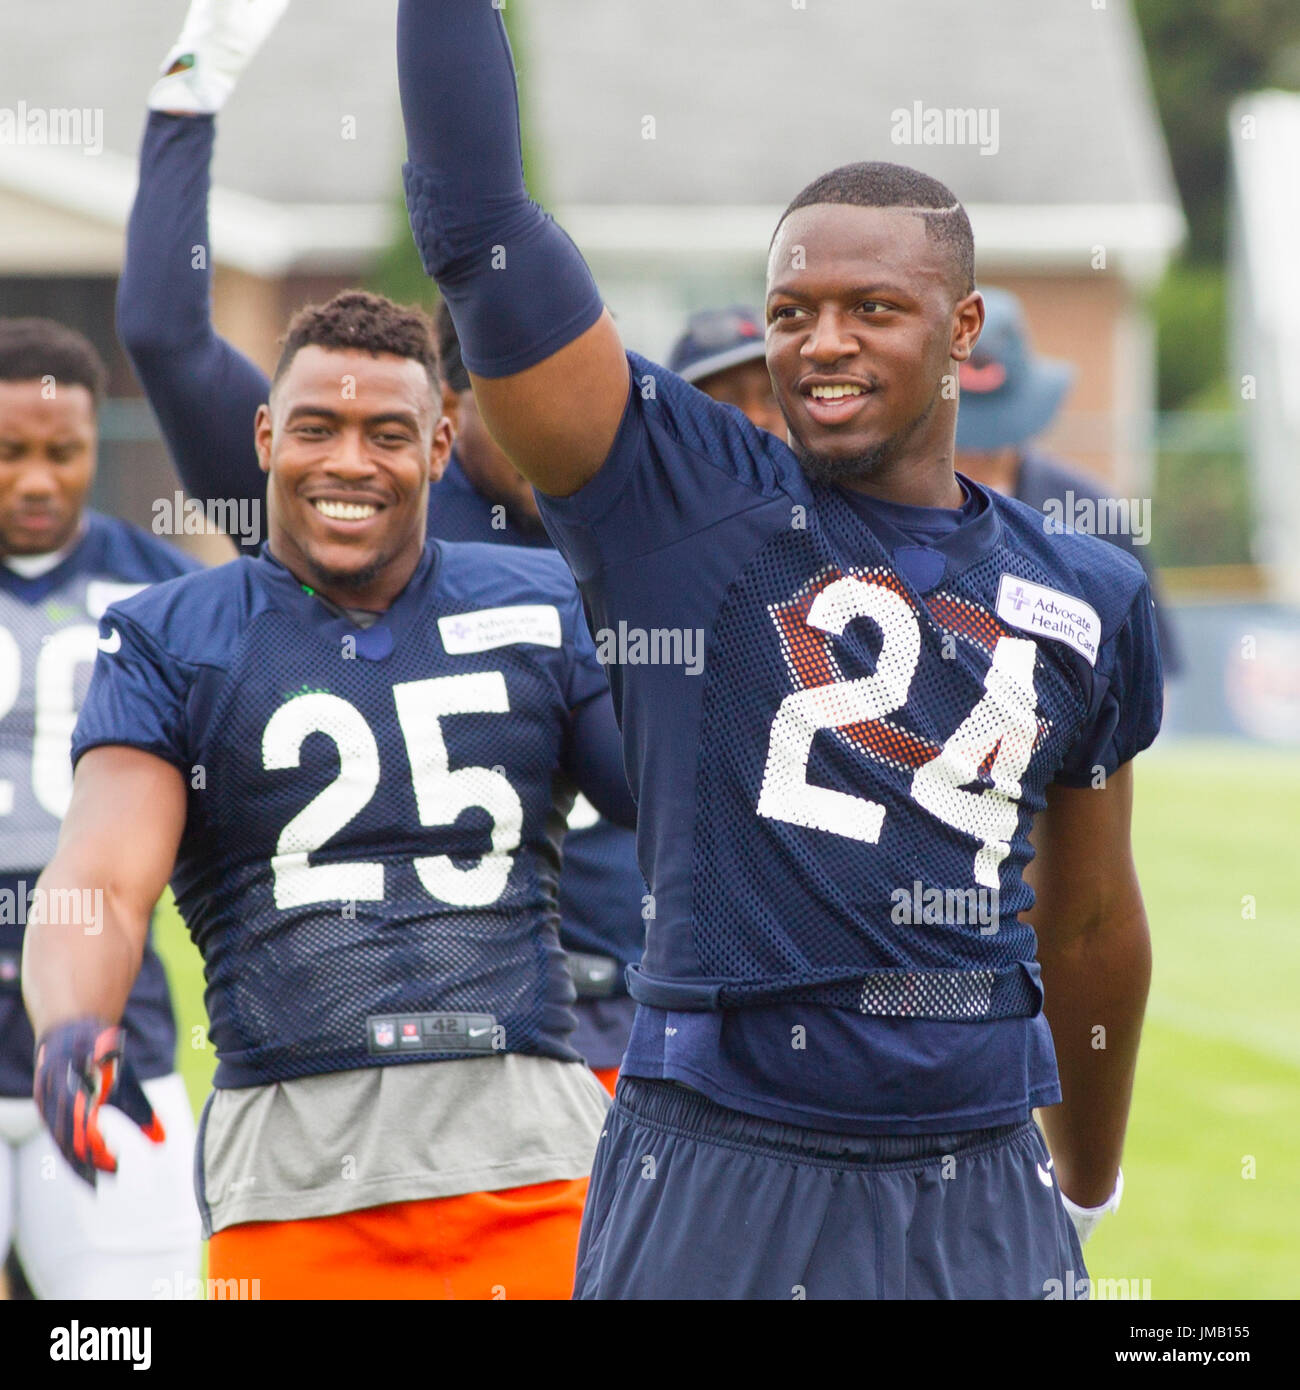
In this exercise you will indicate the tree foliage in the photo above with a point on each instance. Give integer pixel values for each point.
(1202, 54)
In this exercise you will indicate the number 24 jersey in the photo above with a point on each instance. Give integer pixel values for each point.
(877, 719)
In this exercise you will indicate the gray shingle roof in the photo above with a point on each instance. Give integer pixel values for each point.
(751, 97)
(281, 135)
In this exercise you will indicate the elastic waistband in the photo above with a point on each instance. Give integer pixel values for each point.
(1014, 991)
(667, 1105)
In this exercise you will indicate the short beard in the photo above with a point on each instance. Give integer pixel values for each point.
(346, 580)
(858, 468)
(839, 472)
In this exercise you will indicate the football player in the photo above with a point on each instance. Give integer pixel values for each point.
(841, 1039)
(205, 393)
(352, 754)
(61, 564)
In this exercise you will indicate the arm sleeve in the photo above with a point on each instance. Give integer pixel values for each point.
(204, 393)
(1128, 699)
(517, 287)
(137, 696)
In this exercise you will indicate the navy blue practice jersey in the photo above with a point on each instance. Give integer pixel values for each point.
(883, 701)
(602, 893)
(369, 859)
(48, 635)
(459, 512)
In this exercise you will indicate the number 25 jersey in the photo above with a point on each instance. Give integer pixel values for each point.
(371, 846)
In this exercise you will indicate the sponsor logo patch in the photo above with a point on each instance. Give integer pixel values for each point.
(1050, 613)
(486, 628)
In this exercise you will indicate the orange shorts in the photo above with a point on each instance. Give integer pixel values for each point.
(607, 1076)
(521, 1242)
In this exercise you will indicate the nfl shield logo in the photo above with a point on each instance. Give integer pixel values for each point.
(385, 1034)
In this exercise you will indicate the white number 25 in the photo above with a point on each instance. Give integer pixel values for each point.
(440, 794)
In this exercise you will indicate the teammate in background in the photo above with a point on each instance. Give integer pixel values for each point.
(60, 566)
(1009, 397)
(350, 753)
(823, 1096)
(723, 352)
(205, 395)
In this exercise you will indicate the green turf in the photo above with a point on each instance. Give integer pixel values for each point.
(195, 1059)
(1219, 1073)
(1219, 1076)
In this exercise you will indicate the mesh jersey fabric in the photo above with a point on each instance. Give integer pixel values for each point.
(853, 733)
(373, 815)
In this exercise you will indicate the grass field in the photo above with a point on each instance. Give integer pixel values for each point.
(1218, 1088)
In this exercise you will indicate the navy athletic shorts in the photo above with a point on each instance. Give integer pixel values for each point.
(689, 1199)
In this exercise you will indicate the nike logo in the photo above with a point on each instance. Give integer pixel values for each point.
(1043, 1175)
(112, 643)
(478, 1032)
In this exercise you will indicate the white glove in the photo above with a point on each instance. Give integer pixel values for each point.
(218, 41)
(1086, 1219)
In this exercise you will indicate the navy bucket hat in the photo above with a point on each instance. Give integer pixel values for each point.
(1007, 394)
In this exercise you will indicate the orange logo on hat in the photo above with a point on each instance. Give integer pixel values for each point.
(981, 380)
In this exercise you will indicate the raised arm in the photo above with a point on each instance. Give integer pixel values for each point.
(548, 370)
(204, 393)
(1096, 960)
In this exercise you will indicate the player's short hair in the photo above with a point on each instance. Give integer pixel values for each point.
(881, 185)
(357, 321)
(454, 371)
(34, 348)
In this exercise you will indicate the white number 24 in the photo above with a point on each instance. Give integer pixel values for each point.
(440, 794)
(1004, 718)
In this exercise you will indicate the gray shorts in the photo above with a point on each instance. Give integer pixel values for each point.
(691, 1200)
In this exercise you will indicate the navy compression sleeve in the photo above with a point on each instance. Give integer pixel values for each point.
(517, 287)
(204, 393)
(592, 757)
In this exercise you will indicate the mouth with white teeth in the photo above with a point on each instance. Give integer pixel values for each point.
(835, 402)
(334, 510)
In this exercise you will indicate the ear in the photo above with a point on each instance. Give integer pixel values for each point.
(262, 437)
(440, 449)
(967, 325)
(451, 406)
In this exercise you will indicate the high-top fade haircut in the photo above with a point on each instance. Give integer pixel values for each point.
(880, 185)
(356, 321)
(34, 348)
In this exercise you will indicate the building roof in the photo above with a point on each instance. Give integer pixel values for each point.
(749, 102)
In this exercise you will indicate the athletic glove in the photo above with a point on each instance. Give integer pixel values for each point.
(217, 43)
(1086, 1219)
(79, 1070)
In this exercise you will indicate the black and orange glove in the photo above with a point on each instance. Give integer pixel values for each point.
(79, 1070)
